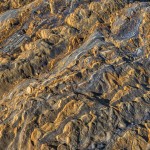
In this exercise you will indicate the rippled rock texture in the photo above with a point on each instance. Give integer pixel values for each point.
(74, 75)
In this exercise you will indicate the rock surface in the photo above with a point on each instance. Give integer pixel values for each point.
(74, 75)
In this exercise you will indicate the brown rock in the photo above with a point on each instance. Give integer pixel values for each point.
(74, 75)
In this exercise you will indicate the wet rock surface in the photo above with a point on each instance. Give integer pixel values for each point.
(74, 75)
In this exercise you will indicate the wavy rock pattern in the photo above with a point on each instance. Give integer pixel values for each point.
(74, 75)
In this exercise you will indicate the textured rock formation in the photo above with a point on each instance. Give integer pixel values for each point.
(74, 75)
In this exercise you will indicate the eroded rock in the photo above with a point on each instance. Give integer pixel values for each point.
(74, 75)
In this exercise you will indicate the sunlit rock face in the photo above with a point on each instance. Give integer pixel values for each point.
(74, 75)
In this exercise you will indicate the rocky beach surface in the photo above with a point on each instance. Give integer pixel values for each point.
(74, 75)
